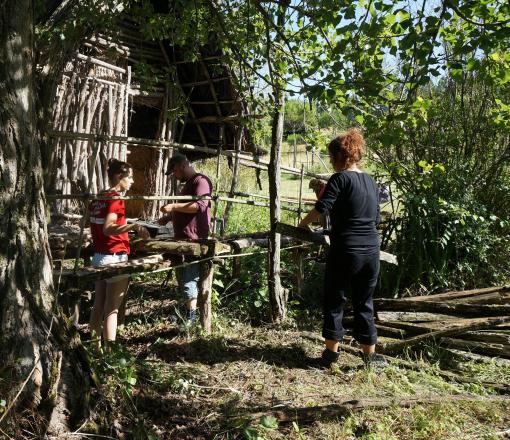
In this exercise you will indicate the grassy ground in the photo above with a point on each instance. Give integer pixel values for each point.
(171, 382)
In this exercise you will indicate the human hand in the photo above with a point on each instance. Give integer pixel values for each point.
(304, 226)
(141, 231)
(163, 220)
(167, 209)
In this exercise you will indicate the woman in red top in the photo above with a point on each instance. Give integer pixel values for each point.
(111, 245)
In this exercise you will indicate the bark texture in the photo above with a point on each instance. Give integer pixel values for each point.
(277, 294)
(28, 348)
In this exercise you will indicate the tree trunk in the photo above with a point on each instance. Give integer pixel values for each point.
(277, 294)
(30, 346)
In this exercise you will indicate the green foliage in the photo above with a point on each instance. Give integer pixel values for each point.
(114, 369)
(448, 159)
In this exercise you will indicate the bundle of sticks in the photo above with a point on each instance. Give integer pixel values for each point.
(475, 321)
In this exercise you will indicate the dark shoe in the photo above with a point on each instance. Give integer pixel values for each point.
(329, 357)
(375, 360)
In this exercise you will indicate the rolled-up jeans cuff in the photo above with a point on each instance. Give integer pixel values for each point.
(332, 335)
(366, 340)
(188, 277)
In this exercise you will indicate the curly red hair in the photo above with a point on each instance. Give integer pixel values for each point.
(348, 148)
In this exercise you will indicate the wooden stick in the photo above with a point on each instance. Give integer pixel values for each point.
(478, 324)
(485, 348)
(455, 309)
(99, 197)
(301, 192)
(87, 212)
(152, 143)
(344, 408)
(100, 63)
(458, 294)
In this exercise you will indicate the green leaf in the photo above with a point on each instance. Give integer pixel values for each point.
(360, 119)
(269, 422)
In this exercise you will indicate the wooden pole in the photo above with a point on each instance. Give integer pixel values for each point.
(204, 295)
(301, 193)
(218, 175)
(152, 143)
(277, 295)
(85, 217)
(235, 175)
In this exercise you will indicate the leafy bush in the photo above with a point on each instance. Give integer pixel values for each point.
(446, 153)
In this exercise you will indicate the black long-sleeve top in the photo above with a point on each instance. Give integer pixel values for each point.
(352, 200)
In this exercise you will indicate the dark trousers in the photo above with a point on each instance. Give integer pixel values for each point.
(351, 271)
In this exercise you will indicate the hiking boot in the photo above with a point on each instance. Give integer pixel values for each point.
(328, 357)
(375, 360)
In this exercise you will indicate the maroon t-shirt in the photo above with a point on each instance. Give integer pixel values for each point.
(194, 226)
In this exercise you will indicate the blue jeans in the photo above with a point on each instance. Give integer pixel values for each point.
(188, 277)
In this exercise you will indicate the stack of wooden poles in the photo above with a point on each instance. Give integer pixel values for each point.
(474, 321)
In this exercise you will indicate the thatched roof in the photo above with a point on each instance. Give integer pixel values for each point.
(209, 106)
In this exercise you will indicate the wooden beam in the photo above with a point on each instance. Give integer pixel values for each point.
(343, 408)
(445, 308)
(320, 238)
(195, 248)
(232, 101)
(100, 63)
(205, 82)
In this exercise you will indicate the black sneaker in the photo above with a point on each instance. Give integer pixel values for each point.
(329, 357)
(375, 360)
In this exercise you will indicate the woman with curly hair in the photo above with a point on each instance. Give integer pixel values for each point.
(351, 198)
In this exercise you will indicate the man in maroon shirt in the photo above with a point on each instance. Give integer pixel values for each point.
(190, 220)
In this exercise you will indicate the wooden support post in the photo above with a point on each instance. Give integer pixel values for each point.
(205, 293)
(218, 176)
(301, 192)
(236, 261)
(300, 270)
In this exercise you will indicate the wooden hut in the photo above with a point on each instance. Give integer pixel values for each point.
(120, 84)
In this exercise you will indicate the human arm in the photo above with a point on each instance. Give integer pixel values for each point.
(201, 188)
(184, 207)
(112, 228)
(311, 217)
